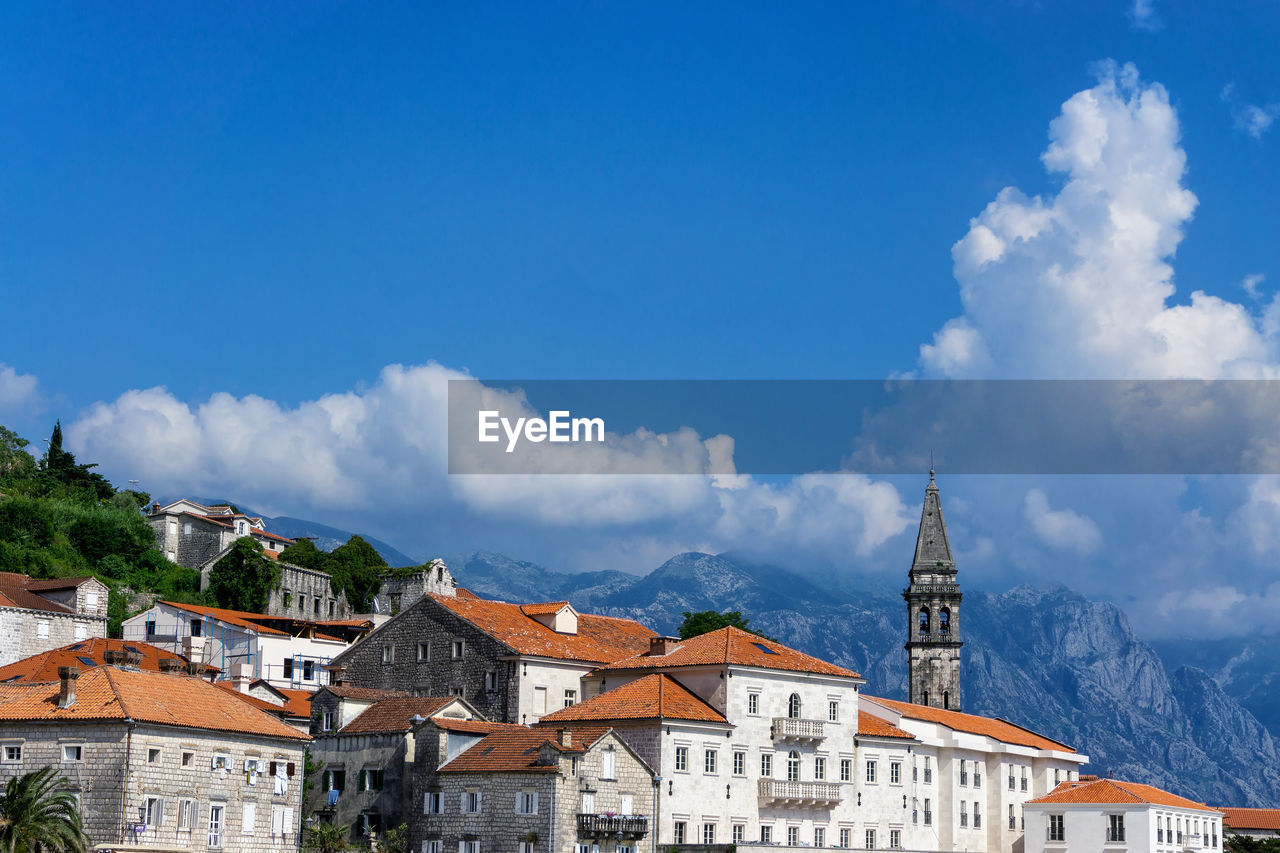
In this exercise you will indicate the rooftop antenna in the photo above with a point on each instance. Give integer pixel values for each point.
(931, 466)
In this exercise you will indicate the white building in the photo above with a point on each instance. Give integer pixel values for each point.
(40, 615)
(284, 652)
(1108, 814)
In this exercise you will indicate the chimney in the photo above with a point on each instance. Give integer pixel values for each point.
(241, 675)
(114, 657)
(663, 645)
(172, 665)
(565, 737)
(67, 676)
(155, 507)
(337, 675)
(193, 649)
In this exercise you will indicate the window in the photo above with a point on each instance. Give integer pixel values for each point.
(153, 754)
(1115, 828)
(677, 832)
(624, 804)
(424, 651)
(186, 815)
(820, 768)
(895, 839)
(709, 762)
(793, 766)
(766, 764)
(682, 758)
(928, 770)
(964, 814)
(871, 839)
(326, 720)
(766, 834)
(250, 818)
(833, 711)
(964, 772)
(288, 668)
(1058, 827)
(188, 758)
(846, 770)
(928, 813)
(895, 772)
(216, 812)
(793, 706)
(608, 763)
(491, 681)
(468, 847)
(739, 763)
(471, 801)
(871, 772)
(456, 648)
(793, 836)
(282, 824)
(1013, 821)
(152, 812)
(433, 802)
(527, 802)
(846, 837)
(371, 779)
(388, 653)
(570, 698)
(977, 815)
(82, 631)
(1024, 778)
(527, 847)
(753, 703)
(221, 761)
(1012, 781)
(924, 620)
(42, 629)
(819, 837)
(708, 833)
(309, 669)
(977, 774)
(368, 822)
(1057, 776)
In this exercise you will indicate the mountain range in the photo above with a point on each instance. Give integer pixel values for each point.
(1045, 658)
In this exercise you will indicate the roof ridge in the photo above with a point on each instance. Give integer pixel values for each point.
(109, 673)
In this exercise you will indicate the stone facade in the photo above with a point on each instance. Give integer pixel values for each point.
(27, 631)
(398, 591)
(345, 761)
(304, 594)
(933, 613)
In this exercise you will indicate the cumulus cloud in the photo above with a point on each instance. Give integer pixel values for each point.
(18, 391)
(1249, 118)
(1064, 529)
(380, 454)
(1078, 284)
(1142, 14)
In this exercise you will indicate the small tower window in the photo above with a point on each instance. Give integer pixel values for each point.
(924, 620)
(793, 706)
(946, 700)
(944, 621)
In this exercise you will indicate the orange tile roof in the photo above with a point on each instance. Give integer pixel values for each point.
(239, 618)
(393, 715)
(347, 623)
(351, 691)
(482, 727)
(656, 696)
(15, 591)
(543, 609)
(56, 583)
(1118, 792)
(108, 693)
(733, 646)
(869, 725)
(297, 703)
(83, 654)
(256, 701)
(271, 555)
(1250, 818)
(600, 639)
(270, 535)
(1001, 730)
(516, 750)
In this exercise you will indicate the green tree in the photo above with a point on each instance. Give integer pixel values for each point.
(243, 578)
(328, 838)
(35, 817)
(304, 552)
(15, 461)
(61, 468)
(1234, 843)
(356, 569)
(396, 840)
(24, 521)
(706, 621)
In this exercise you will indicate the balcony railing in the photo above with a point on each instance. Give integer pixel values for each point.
(779, 791)
(630, 825)
(792, 728)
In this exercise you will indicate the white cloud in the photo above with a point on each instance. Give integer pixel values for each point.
(1250, 118)
(18, 391)
(1060, 528)
(1220, 610)
(1077, 284)
(1251, 283)
(1142, 14)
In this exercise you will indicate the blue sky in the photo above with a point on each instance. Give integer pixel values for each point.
(280, 202)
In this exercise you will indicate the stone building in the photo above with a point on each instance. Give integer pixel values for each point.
(366, 767)
(95, 652)
(512, 662)
(402, 587)
(1108, 814)
(193, 535)
(933, 613)
(40, 615)
(286, 651)
(158, 761)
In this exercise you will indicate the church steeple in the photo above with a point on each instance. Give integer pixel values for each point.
(933, 612)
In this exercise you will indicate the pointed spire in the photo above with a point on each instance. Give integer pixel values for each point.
(933, 548)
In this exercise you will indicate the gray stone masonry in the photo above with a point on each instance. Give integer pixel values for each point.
(399, 591)
(427, 627)
(24, 633)
(114, 769)
(390, 753)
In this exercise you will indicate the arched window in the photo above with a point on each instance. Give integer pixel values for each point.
(946, 699)
(926, 698)
(924, 620)
(944, 620)
(793, 766)
(793, 706)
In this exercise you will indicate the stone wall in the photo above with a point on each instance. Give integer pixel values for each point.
(389, 752)
(398, 592)
(306, 594)
(21, 630)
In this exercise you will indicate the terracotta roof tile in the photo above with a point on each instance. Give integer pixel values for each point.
(1250, 818)
(393, 715)
(869, 725)
(1001, 730)
(15, 592)
(57, 583)
(297, 703)
(656, 696)
(239, 618)
(600, 639)
(1116, 791)
(108, 693)
(516, 750)
(733, 646)
(481, 727)
(543, 609)
(83, 654)
(350, 691)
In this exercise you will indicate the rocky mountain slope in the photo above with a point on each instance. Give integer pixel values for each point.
(1048, 659)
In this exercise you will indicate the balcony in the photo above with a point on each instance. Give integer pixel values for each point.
(631, 826)
(799, 793)
(792, 728)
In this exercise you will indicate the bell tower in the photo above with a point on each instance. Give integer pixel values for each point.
(933, 613)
